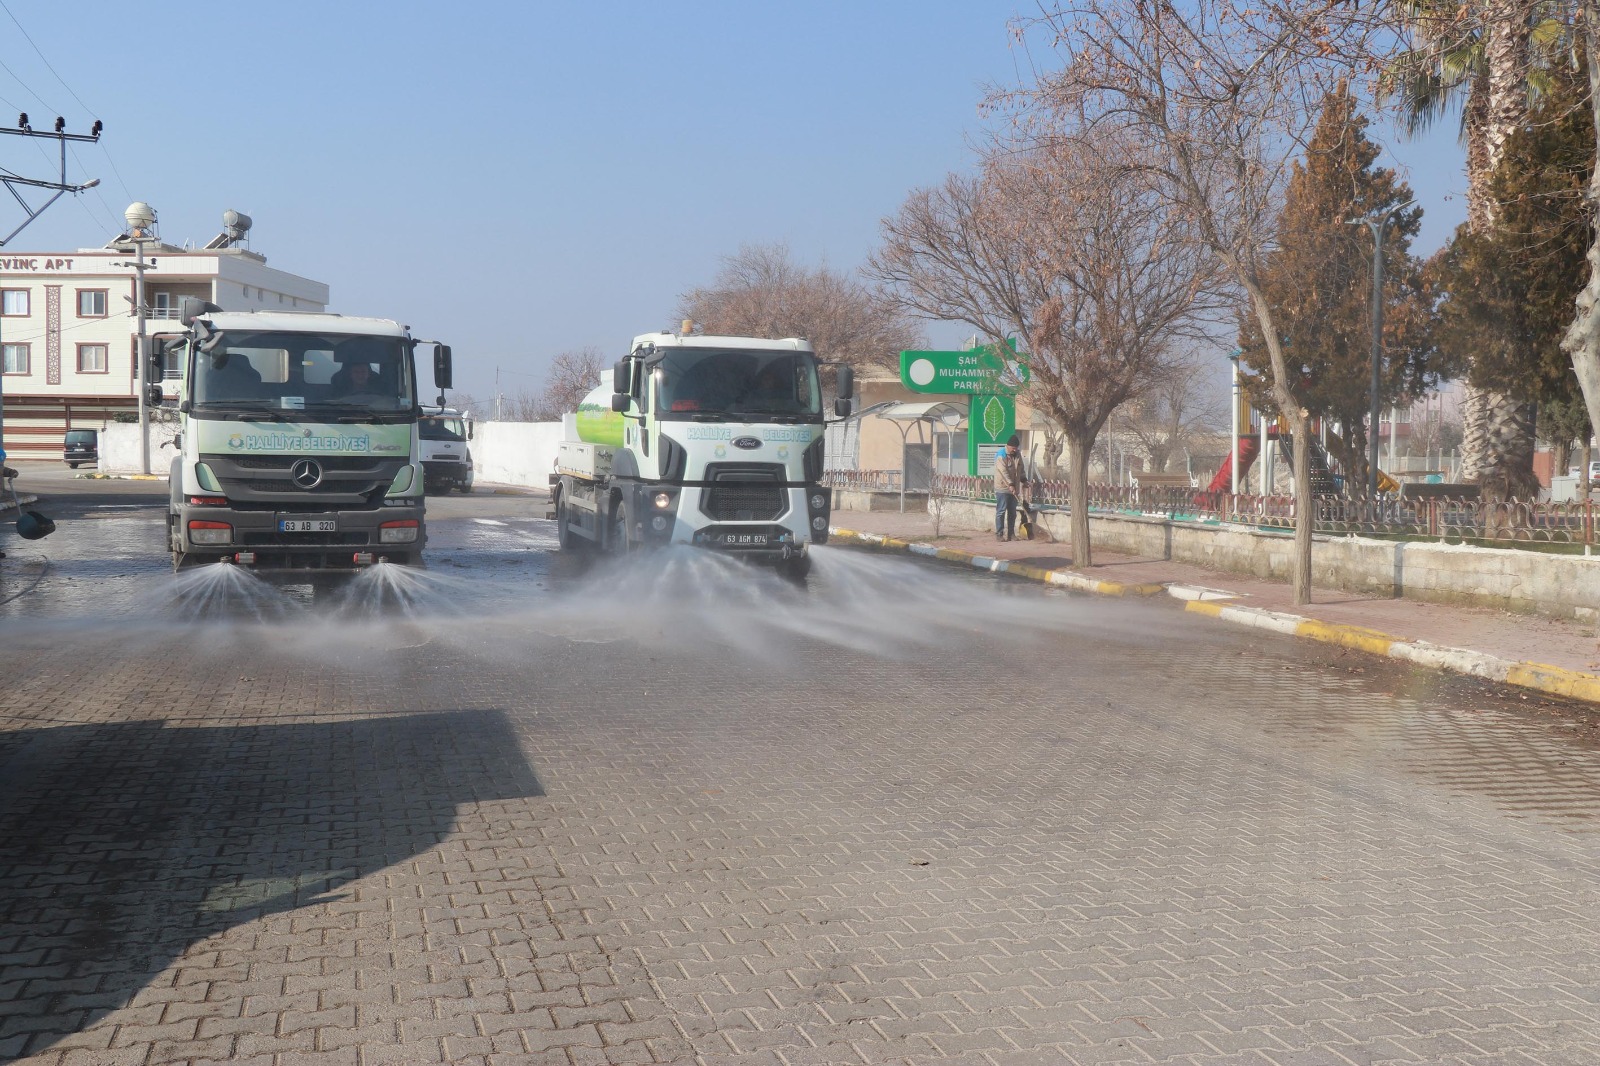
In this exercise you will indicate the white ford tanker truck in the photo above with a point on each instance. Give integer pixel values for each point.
(297, 444)
(703, 440)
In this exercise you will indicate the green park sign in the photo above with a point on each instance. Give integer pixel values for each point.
(987, 370)
(989, 377)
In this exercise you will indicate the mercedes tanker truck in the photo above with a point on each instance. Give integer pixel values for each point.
(702, 440)
(297, 443)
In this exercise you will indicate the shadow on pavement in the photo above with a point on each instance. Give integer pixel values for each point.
(122, 845)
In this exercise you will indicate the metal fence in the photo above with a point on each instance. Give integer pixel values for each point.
(1502, 522)
(863, 480)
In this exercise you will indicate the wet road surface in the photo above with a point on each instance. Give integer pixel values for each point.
(529, 808)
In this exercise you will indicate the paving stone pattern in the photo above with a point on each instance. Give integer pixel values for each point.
(229, 842)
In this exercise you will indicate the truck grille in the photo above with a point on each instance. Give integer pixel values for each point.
(744, 492)
(347, 480)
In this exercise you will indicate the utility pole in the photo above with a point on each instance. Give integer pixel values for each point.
(14, 183)
(141, 217)
(1379, 225)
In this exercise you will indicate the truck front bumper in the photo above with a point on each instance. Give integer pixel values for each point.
(359, 537)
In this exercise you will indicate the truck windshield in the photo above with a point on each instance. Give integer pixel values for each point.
(706, 384)
(441, 427)
(339, 375)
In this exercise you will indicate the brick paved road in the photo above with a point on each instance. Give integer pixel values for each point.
(900, 815)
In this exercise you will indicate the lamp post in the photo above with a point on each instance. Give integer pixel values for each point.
(141, 218)
(1233, 436)
(1379, 225)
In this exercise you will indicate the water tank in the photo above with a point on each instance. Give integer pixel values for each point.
(597, 422)
(236, 222)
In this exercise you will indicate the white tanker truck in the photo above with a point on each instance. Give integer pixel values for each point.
(711, 441)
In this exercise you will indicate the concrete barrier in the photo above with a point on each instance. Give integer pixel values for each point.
(1564, 586)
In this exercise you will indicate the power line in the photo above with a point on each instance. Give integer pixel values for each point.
(87, 109)
(47, 65)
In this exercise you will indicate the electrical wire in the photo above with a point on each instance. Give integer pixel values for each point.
(87, 109)
(47, 65)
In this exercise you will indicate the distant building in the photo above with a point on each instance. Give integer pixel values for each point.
(68, 329)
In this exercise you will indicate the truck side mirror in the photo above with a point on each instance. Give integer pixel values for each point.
(847, 383)
(841, 407)
(619, 401)
(441, 367)
(152, 395)
(193, 307)
(622, 378)
(469, 430)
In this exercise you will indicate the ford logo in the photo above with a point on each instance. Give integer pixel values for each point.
(747, 442)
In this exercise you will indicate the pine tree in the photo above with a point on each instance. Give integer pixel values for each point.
(1321, 279)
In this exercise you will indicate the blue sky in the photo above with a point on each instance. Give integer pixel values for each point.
(524, 178)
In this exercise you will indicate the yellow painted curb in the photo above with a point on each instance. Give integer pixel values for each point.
(1556, 680)
(1368, 640)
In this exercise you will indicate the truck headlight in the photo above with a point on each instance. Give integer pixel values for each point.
(818, 501)
(819, 523)
(658, 523)
(663, 500)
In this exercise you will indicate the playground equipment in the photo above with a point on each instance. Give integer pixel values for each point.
(1323, 480)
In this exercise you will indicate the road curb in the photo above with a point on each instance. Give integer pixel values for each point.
(1540, 677)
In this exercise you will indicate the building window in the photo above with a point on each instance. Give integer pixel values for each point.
(92, 359)
(91, 303)
(17, 358)
(13, 302)
(161, 305)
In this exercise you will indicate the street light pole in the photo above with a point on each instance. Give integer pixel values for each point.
(1379, 225)
(141, 217)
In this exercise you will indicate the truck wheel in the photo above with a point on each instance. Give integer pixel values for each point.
(73, 465)
(465, 485)
(566, 539)
(795, 567)
(619, 540)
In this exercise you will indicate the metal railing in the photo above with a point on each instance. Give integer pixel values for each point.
(863, 480)
(1503, 522)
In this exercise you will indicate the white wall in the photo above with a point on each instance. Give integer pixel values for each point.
(515, 453)
(505, 453)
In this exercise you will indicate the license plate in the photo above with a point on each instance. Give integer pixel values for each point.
(308, 525)
(745, 540)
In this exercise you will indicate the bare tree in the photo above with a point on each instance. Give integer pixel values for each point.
(762, 292)
(1223, 95)
(1069, 246)
(1173, 412)
(572, 375)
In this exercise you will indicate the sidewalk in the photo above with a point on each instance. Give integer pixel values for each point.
(1499, 645)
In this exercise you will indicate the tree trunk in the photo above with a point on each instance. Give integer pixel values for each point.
(1304, 515)
(1502, 462)
(1078, 495)
(1583, 471)
(1507, 470)
(1582, 341)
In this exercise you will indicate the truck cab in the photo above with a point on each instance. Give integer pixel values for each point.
(444, 433)
(298, 440)
(712, 441)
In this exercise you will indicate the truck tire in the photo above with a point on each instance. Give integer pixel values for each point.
(796, 567)
(619, 539)
(566, 539)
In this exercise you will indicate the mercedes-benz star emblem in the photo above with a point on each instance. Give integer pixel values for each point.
(307, 473)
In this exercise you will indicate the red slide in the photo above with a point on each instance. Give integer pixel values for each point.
(1223, 482)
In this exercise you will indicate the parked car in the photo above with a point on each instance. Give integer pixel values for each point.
(82, 446)
(1594, 471)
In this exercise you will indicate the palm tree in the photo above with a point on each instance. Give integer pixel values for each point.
(1479, 53)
